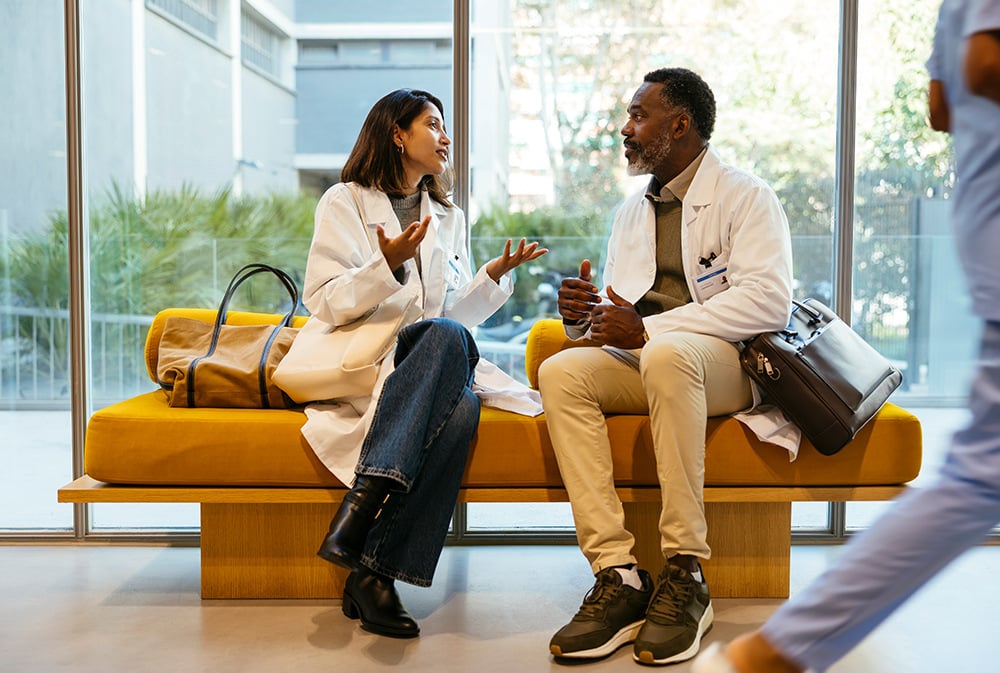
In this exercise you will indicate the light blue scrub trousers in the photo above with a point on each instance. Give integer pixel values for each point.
(921, 533)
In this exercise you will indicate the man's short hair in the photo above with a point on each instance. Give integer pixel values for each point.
(685, 89)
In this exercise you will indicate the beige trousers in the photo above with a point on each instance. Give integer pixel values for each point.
(680, 380)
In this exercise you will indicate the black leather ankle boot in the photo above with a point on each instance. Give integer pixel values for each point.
(373, 599)
(350, 525)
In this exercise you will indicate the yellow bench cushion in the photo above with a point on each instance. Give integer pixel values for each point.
(145, 441)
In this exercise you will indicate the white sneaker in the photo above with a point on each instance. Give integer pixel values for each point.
(712, 660)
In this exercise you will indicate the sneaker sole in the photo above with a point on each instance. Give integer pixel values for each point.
(646, 657)
(625, 635)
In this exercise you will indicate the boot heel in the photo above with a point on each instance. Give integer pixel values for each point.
(373, 598)
(350, 608)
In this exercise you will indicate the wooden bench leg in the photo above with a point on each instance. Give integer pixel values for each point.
(269, 550)
(266, 551)
(750, 541)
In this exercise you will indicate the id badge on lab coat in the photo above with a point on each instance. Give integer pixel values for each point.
(713, 280)
(452, 272)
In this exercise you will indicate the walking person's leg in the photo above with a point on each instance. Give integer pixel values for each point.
(881, 568)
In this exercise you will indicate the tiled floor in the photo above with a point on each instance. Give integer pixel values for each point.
(101, 609)
(94, 609)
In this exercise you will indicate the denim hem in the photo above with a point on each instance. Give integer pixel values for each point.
(395, 475)
(392, 573)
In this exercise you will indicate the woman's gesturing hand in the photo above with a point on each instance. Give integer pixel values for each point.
(525, 252)
(403, 247)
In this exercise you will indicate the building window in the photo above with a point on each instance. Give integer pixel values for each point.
(375, 53)
(261, 45)
(199, 15)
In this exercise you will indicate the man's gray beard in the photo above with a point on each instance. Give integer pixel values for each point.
(648, 158)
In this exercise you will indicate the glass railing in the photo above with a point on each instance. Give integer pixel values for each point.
(919, 317)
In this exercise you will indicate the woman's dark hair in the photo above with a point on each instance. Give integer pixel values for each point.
(375, 161)
(686, 90)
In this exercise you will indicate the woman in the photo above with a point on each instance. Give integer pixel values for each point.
(404, 447)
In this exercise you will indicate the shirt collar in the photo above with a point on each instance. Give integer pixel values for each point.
(677, 188)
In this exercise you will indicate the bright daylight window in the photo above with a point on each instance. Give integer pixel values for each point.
(195, 165)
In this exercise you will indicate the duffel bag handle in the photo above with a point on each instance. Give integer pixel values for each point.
(245, 273)
(249, 271)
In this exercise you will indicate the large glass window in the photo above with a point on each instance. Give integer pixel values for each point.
(909, 297)
(558, 77)
(212, 126)
(35, 421)
(200, 160)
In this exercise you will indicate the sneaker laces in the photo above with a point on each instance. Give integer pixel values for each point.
(670, 600)
(602, 593)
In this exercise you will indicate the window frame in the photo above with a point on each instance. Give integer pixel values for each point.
(836, 530)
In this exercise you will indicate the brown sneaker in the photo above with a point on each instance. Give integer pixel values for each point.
(610, 616)
(679, 614)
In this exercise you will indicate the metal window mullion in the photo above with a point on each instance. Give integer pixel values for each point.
(838, 521)
(461, 54)
(78, 253)
(843, 219)
(843, 223)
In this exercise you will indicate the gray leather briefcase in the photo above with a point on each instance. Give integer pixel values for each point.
(822, 374)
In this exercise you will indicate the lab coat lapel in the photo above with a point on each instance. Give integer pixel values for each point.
(702, 189)
(379, 211)
(427, 245)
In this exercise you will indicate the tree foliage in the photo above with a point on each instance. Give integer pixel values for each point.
(173, 248)
(774, 69)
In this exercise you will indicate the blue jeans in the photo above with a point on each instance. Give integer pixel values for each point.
(424, 424)
(920, 534)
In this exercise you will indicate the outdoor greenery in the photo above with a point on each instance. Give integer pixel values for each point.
(171, 248)
(573, 69)
(574, 73)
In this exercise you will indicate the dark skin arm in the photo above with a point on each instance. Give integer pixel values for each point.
(614, 324)
(981, 69)
(617, 324)
(578, 296)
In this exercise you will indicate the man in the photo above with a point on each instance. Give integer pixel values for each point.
(698, 261)
(929, 527)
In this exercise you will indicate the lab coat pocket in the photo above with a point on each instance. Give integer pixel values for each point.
(713, 276)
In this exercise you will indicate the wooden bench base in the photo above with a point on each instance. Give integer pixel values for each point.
(261, 542)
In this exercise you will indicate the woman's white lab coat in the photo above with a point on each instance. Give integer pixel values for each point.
(345, 277)
(737, 256)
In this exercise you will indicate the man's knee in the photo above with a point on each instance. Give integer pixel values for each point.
(667, 353)
(554, 373)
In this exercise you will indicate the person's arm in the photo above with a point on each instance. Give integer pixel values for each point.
(344, 276)
(982, 64)
(937, 102)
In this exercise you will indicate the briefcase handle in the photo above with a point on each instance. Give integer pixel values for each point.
(814, 316)
(815, 319)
